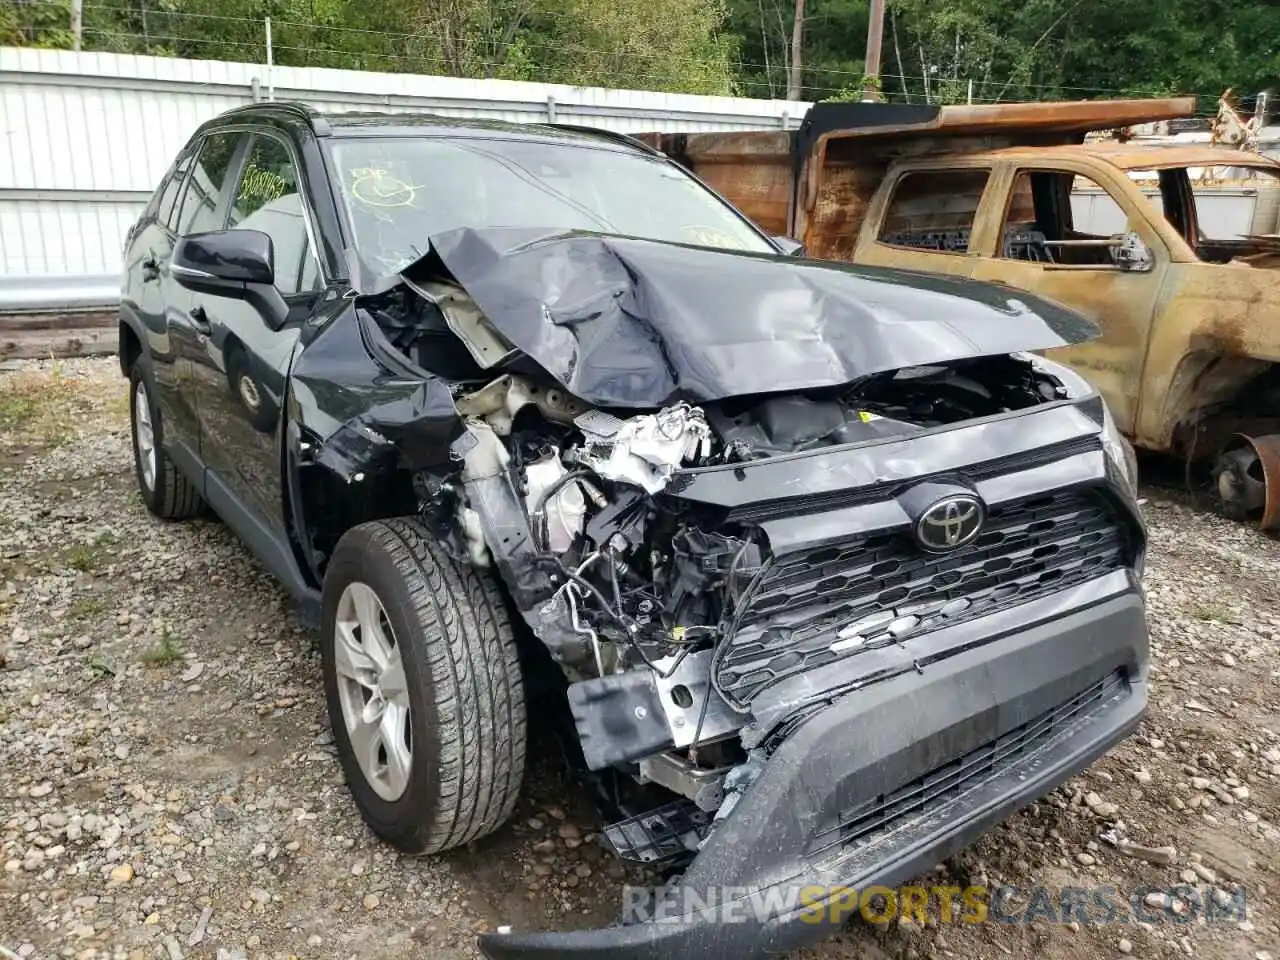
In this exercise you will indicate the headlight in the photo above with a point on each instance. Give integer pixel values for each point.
(1120, 451)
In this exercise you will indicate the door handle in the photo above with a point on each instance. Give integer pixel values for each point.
(200, 320)
(150, 267)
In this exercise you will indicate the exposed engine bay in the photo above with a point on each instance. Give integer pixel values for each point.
(632, 590)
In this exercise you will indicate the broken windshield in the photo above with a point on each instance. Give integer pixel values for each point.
(398, 191)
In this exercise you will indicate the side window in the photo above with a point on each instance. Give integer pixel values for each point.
(1060, 217)
(934, 210)
(1094, 212)
(162, 202)
(267, 199)
(205, 186)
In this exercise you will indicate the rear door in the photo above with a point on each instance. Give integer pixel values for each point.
(925, 219)
(243, 362)
(1057, 223)
(146, 255)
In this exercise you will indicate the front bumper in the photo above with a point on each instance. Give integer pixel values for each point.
(931, 759)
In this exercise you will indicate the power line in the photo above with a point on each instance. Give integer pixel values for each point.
(741, 68)
(572, 48)
(599, 73)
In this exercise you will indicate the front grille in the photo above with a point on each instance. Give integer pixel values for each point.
(837, 499)
(870, 821)
(884, 582)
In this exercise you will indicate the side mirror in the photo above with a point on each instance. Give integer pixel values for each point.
(789, 246)
(1132, 255)
(231, 263)
(220, 261)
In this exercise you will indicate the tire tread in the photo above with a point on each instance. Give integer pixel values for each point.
(174, 497)
(469, 648)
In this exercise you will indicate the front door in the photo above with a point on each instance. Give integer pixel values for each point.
(243, 365)
(1085, 243)
(928, 221)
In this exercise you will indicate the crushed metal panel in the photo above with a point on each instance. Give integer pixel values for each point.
(362, 416)
(626, 322)
(486, 345)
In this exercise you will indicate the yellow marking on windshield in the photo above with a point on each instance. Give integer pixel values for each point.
(375, 187)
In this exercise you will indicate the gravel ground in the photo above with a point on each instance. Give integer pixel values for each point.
(168, 786)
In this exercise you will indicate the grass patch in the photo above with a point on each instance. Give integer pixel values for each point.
(85, 608)
(117, 407)
(165, 652)
(1211, 613)
(88, 557)
(82, 557)
(40, 405)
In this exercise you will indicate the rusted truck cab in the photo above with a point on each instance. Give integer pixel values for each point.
(1139, 238)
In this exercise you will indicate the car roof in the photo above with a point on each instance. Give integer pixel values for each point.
(1132, 156)
(414, 124)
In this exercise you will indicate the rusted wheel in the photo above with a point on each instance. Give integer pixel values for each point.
(1246, 479)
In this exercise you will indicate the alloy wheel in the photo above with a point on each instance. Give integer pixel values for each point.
(145, 435)
(372, 691)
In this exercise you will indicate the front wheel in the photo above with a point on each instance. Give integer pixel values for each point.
(423, 686)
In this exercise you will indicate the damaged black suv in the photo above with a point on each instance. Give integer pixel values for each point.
(831, 571)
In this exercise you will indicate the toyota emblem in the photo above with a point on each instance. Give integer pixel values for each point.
(950, 523)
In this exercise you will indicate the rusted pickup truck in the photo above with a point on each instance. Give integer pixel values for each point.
(1138, 237)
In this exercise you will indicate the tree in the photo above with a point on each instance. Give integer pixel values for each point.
(806, 49)
(675, 45)
(795, 69)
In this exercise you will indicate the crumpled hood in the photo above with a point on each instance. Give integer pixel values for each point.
(639, 323)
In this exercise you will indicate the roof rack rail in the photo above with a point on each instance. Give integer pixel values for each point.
(296, 107)
(623, 138)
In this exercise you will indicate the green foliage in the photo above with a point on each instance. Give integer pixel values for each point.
(46, 24)
(938, 51)
(857, 92)
(645, 44)
(165, 652)
(1080, 49)
(675, 45)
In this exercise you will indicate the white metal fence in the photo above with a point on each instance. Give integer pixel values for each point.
(87, 135)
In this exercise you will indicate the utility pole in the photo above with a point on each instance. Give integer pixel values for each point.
(77, 23)
(271, 86)
(875, 35)
(795, 72)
